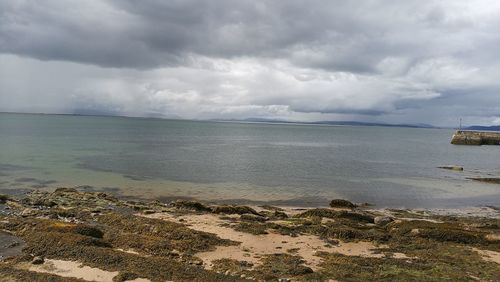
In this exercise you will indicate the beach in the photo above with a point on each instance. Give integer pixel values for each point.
(71, 235)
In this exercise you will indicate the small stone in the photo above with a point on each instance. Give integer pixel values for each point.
(37, 260)
(174, 253)
(383, 220)
(148, 211)
(243, 276)
(196, 262)
(28, 212)
(227, 272)
(415, 231)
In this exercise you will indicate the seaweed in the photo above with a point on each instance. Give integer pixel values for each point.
(278, 266)
(179, 236)
(328, 213)
(251, 227)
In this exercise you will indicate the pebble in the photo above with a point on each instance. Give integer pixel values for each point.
(37, 260)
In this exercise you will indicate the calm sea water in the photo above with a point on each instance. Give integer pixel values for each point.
(303, 165)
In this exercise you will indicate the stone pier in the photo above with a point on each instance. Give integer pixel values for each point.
(465, 137)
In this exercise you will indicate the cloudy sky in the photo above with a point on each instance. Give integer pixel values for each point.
(409, 61)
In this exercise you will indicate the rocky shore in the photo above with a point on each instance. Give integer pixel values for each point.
(69, 235)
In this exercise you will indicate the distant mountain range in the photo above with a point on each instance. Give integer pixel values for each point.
(340, 123)
(265, 120)
(487, 128)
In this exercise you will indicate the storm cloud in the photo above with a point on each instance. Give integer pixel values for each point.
(382, 61)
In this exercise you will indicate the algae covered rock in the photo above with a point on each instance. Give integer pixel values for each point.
(234, 210)
(253, 217)
(329, 213)
(3, 198)
(277, 266)
(341, 203)
(382, 220)
(191, 205)
(452, 167)
(65, 190)
(37, 260)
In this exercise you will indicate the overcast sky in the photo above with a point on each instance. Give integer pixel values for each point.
(409, 61)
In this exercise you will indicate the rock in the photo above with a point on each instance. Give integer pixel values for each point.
(125, 276)
(227, 272)
(245, 263)
(3, 198)
(66, 190)
(452, 167)
(234, 210)
(280, 215)
(28, 212)
(174, 253)
(196, 262)
(493, 180)
(43, 202)
(37, 260)
(341, 203)
(191, 205)
(148, 211)
(252, 217)
(243, 276)
(382, 220)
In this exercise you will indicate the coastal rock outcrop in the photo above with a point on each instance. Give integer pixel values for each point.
(341, 203)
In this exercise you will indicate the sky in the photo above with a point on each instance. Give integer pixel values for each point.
(391, 61)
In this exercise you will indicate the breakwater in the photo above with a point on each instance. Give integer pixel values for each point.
(465, 137)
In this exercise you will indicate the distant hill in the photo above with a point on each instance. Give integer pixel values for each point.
(487, 128)
(346, 123)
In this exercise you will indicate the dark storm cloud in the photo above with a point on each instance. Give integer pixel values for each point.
(338, 35)
(226, 58)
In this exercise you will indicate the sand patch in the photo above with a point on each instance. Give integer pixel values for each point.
(129, 251)
(488, 255)
(73, 269)
(493, 237)
(252, 247)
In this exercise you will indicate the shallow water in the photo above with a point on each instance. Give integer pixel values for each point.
(282, 163)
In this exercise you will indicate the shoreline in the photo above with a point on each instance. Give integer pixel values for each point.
(466, 204)
(65, 231)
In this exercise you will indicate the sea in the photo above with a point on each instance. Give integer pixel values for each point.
(251, 163)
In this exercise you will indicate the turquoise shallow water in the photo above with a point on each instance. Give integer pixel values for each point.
(281, 163)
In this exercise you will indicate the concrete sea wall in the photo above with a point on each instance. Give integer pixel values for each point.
(464, 137)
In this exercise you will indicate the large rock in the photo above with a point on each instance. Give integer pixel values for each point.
(341, 203)
(452, 167)
(191, 205)
(234, 210)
